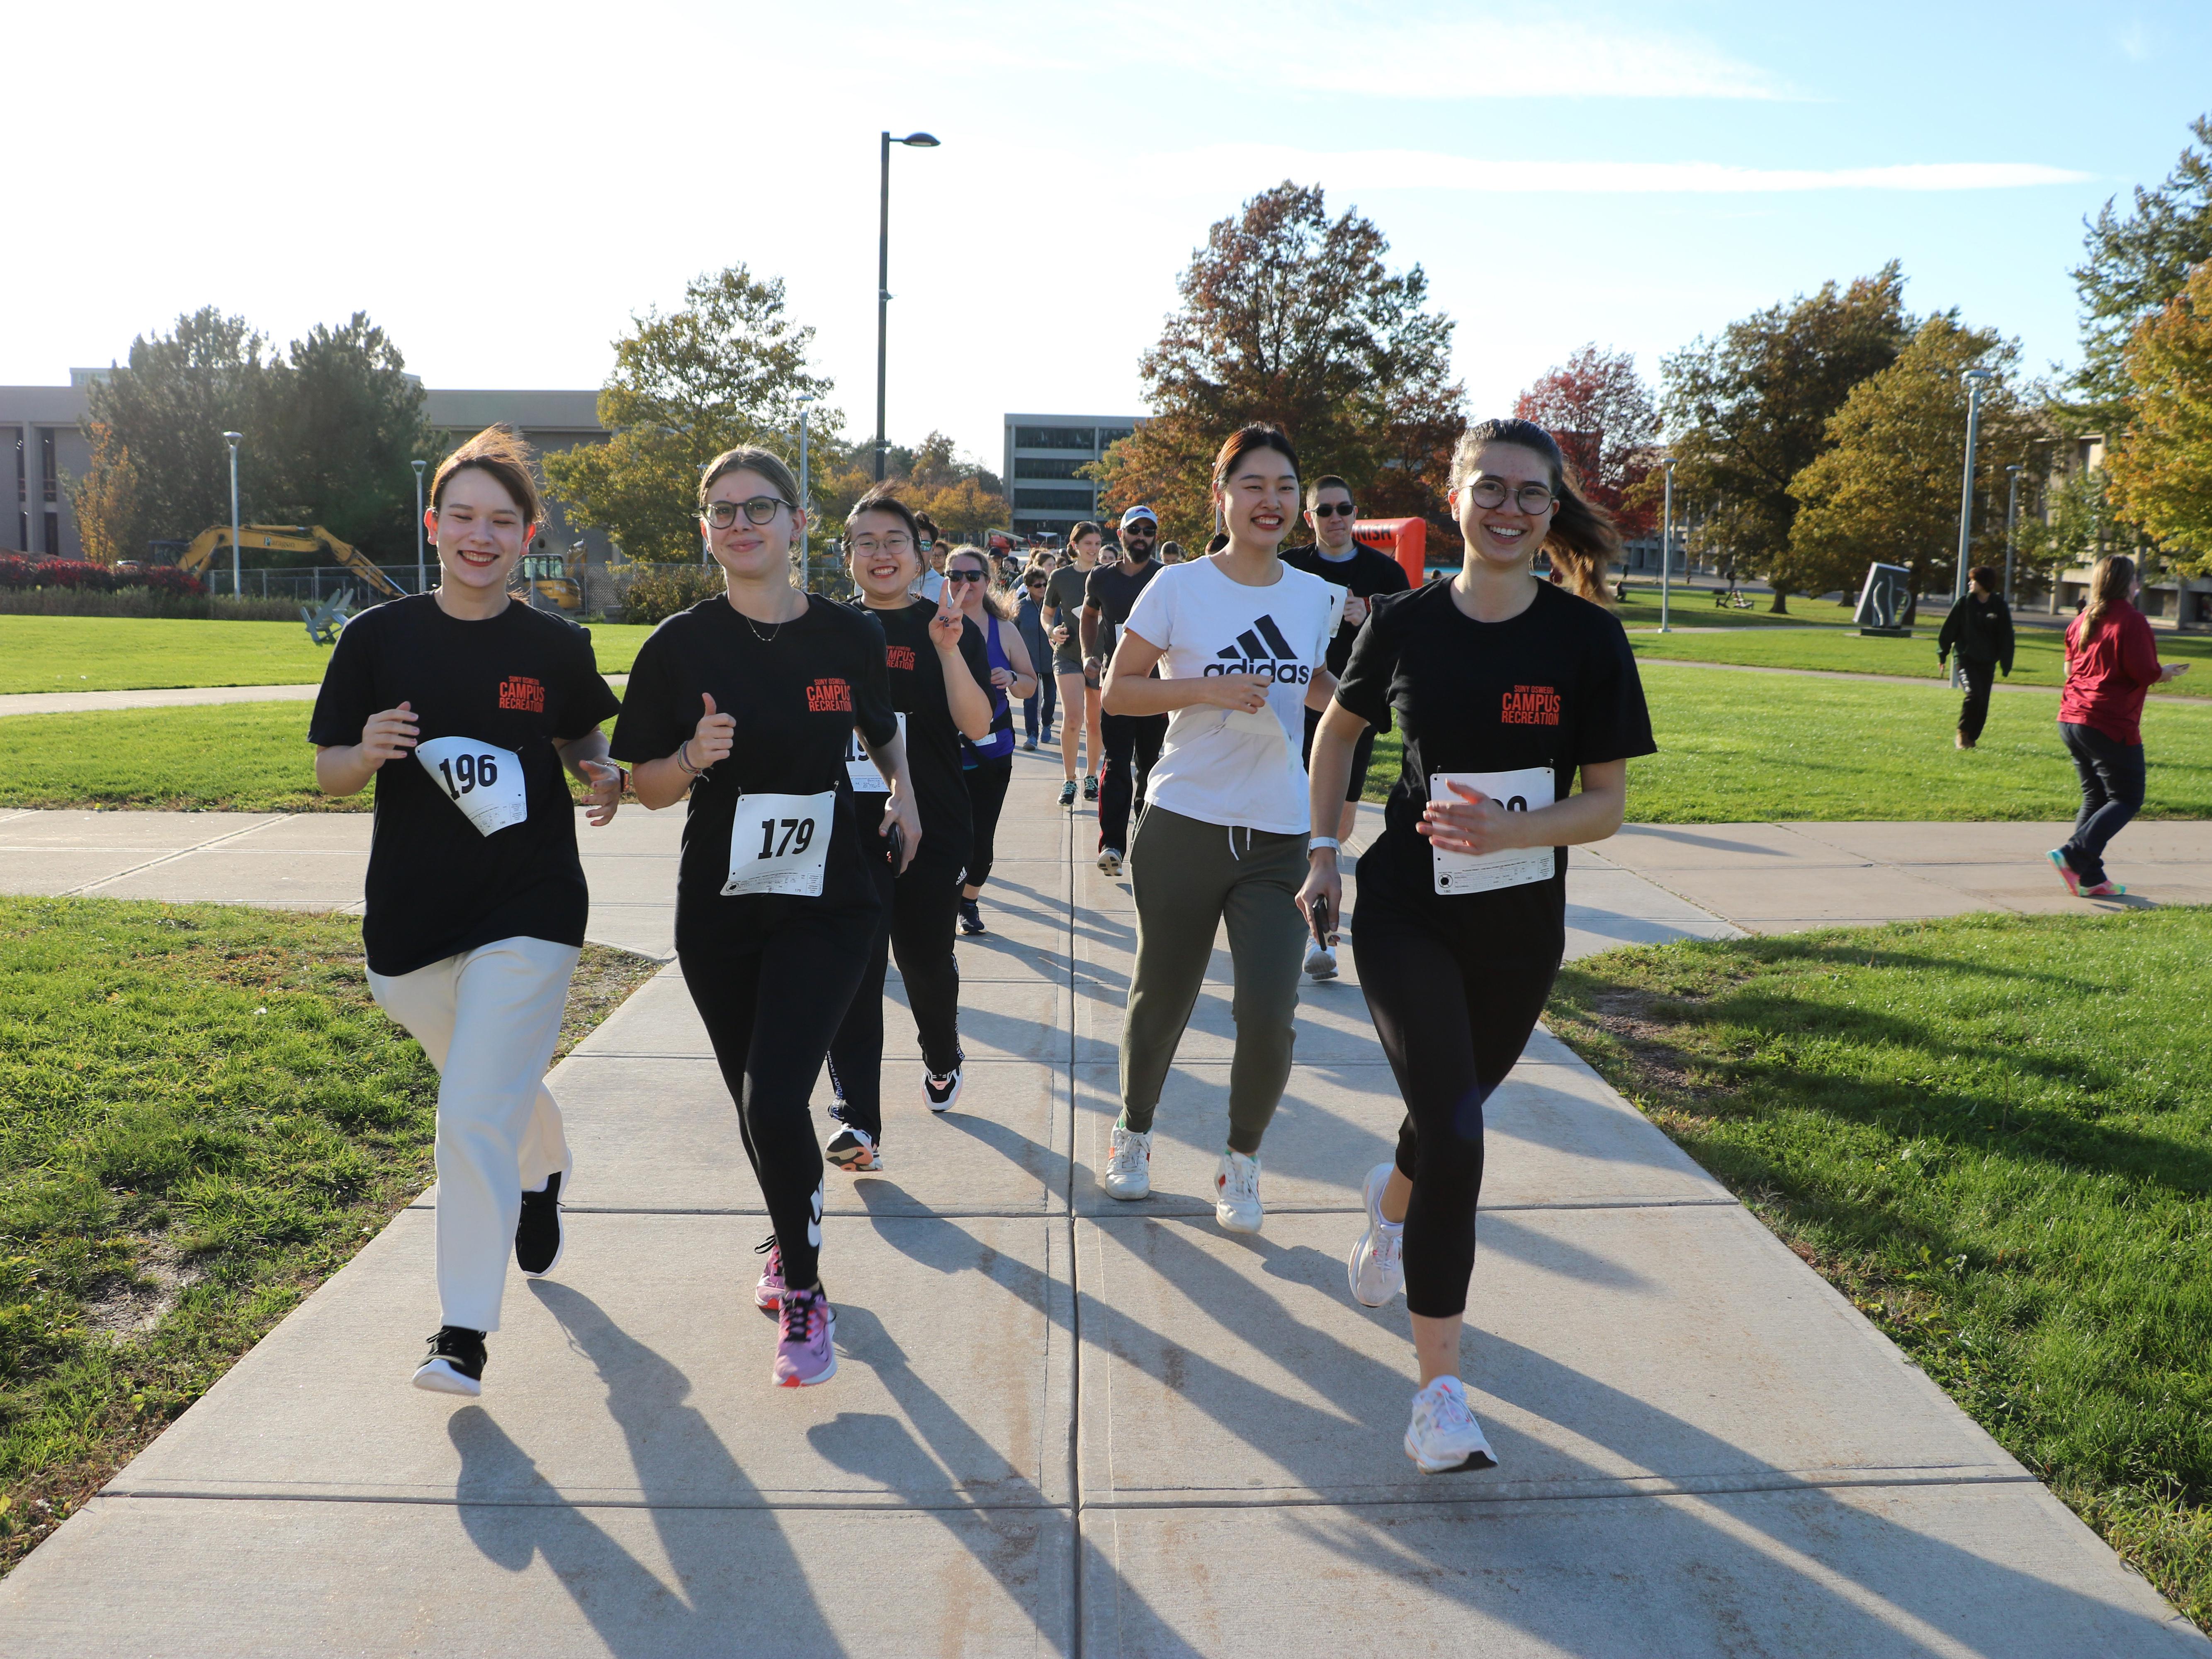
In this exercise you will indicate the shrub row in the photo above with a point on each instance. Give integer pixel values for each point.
(77, 575)
(659, 591)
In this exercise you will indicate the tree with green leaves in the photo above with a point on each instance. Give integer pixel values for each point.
(1748, 412)
(1292, 317)
(727, 368)
(2134, 266)
(351, 425)
(1886, 489)
(2162, 474)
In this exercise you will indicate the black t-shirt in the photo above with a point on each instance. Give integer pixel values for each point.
(516, 683)
(1366, 572)
(797, 695)
(1555, 686)
(932, 741)
(1112, 591)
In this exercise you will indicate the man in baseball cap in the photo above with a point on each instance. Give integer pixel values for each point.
(1132, 741)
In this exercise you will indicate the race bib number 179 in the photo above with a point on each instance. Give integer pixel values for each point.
(779, 844)
(484, 782)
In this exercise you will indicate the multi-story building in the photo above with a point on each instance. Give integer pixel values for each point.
(45, 426)
(1045, 455)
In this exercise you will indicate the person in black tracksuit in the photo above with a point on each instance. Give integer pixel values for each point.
(1133, 741)
(748, 702)
(1505, 687)
(1980, 630)
(939, 679)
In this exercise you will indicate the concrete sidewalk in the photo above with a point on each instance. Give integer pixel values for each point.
(85, 702)
(1062, 1425)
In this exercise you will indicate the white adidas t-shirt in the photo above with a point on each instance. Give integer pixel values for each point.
(1216, 766)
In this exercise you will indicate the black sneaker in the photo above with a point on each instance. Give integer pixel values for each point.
(456, 1362)
(851, 1149)
(939, 1092)
(1090, 785)
(971, 919)
(538, 1238)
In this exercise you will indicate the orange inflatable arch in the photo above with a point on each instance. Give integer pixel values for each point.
(1405, 540)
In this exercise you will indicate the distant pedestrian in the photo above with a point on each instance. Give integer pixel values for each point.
(1171, 553)
(1980, 628)
(2112, 659)
(1029, 621)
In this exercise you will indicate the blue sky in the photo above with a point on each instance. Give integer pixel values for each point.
(502, 187)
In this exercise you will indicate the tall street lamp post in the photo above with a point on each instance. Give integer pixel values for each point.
(234, 438)
(2012, 517)
(421, 585)
(1666, 545)
(805, 499)
(1976, 379)
(919, 141)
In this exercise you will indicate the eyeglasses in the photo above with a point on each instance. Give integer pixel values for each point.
(896, 541)
(1330, 509)
(757, 510)
(954, 578)
(1489, 495)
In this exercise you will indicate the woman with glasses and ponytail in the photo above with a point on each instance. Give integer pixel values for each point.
(1505, 688)
(776, 903)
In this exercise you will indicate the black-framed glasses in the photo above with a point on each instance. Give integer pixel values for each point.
(894, 541)
(1331, 509)
(955, 577)
(758, 509)
(1489, 495)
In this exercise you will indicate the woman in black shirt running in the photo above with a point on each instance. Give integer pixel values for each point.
(1505, 687)
(748, 702)
(940, 676)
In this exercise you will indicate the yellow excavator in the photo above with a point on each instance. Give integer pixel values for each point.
(284, 539)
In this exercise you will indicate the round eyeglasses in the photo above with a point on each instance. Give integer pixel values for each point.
(1489, 495)
(758, 509)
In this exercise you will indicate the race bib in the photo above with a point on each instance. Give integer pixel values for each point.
(484, 782)
(778, 843)
(1518, 792)
(860, 766)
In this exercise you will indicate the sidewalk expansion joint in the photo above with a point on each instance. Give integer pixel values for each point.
(181, 852)
(864, 1503)
(1651, 1487)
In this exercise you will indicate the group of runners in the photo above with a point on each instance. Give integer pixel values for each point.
(844, 764)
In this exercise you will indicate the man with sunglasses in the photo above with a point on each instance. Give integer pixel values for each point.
(932, 585)
(1132, 741)
(1364, 573)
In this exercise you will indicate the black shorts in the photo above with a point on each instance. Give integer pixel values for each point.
(1361, 753)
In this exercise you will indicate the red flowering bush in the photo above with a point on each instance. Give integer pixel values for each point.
(167, 579)
(18, 571)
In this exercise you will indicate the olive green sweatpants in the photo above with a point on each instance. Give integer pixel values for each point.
(1188, 878)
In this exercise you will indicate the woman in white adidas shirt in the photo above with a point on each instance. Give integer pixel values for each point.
(1241, 640)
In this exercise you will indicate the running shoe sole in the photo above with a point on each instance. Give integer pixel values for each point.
(1320, 964)
(1473, 1462)
(439, 1377)
(1109, 862)
(858, 1160)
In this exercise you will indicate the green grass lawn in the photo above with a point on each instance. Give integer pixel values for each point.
(2040, 658)
(1693, 607)
(201, 1116)
(131, 653)
(1744, 748)
(1992, 1134)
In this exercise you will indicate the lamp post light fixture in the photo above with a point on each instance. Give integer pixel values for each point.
(918, 141)
(2012, 517)
(234, 438)
(1666, 544)
(1976, 379)
(421, 583)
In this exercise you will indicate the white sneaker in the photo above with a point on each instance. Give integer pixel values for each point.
(1128, 1164)
(1321, 960)
(1376, 1267)
(1444, 1437)
(1109, 861)
(1237, 1193)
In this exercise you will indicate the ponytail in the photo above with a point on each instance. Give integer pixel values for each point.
(1583, 541)
(2109, 581)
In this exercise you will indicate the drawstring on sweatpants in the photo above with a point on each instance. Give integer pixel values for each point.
(1235, 856)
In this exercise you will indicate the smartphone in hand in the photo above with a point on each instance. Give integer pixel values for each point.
(1321, 919)
(895, 843)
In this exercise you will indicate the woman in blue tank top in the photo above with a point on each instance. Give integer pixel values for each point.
(989, 765)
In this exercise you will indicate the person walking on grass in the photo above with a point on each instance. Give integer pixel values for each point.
(476, 897)
(1980, 628)
(1078, 687)
(2112, 660)
(746, 704)
(1505, 686)
(1241, 643)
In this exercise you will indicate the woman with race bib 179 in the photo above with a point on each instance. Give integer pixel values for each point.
(1505, 687)
(476, 899)
(776, 908)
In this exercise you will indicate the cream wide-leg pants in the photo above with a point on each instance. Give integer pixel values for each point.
(487, 1018)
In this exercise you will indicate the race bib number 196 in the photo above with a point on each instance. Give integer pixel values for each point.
(1517, 792)
(484, 782)
(779, 844)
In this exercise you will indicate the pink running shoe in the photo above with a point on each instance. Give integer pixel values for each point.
(768, 1295)
(2105, 890)
(2066, 871)
(803, 1353)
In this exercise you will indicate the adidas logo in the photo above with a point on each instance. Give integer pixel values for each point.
(1262, 649)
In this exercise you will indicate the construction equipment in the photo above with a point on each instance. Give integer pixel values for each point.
(285, 538)
(545, 576)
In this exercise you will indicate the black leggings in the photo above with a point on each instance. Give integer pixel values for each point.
(1132, 743)
(772, 983)
(1454, 1016)
(1974, 711)
(920, 910)
(987, 797)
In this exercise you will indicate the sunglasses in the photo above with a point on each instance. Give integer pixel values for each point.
(954, 578)
(1331, 509)
(757, 510)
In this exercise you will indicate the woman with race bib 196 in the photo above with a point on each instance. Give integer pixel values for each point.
(746, 703)
(1505, 687)
(476, 898)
